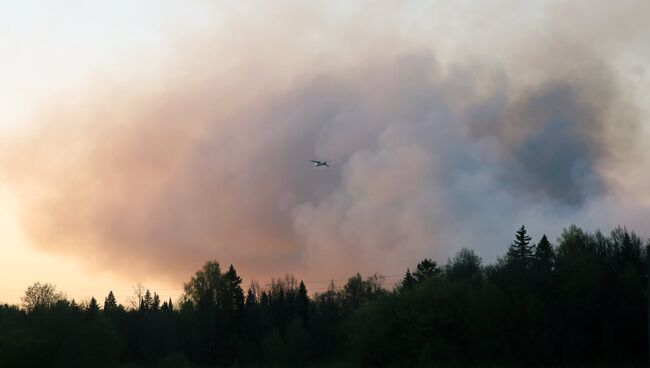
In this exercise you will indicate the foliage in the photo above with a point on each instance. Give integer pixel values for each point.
(579, 303)
(41, 296)
(520, 253)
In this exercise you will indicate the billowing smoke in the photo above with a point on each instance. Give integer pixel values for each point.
(211, 159)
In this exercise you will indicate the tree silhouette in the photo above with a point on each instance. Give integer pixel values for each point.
(110, 304)
(580, 303)
(465, 266)
(155, 303)
(135, 300)
(146, 303)
(408, 282)
(234, 294)
(425, 269)
(520, 253)
(358, 291)
(206, 283)
(41, 296)
(544, 257)
(302, 304)
(92, 310)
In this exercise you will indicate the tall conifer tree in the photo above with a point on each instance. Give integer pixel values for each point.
(520, 253)
(544, 255)
(110, 304)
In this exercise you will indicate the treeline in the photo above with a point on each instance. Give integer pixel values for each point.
(581, 302)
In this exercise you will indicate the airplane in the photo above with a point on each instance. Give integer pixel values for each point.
(319, 163)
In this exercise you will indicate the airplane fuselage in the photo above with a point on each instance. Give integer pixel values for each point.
(320, 163)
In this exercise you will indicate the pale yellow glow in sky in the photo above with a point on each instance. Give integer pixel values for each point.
(21, 265)
(49, 49)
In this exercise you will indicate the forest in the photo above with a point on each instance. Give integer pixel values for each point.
(580, 301)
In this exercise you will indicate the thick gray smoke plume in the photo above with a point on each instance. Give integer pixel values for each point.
(426, 158)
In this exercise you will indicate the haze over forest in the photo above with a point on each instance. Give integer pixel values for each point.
(139, 139)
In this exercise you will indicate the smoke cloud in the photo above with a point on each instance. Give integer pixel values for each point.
(431, 149)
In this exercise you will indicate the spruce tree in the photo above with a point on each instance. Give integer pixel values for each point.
(303, 303)
(147, 302)
(408, 282)
(251, 299)
(92, 309)
(235, 293)
(520, 253)
(155, 304)
(544, 255)
(110, 304)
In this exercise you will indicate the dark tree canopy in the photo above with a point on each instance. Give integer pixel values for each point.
(409, 281)
(425, 269)
(206, 284)
(544, 257)
(93, 308)
(581, 302)
(465, 266)
(41, 296)
(110, 304)
(233, 295)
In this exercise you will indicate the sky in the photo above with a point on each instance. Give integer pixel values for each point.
(139, 139)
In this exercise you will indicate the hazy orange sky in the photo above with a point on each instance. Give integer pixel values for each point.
(139, 139)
